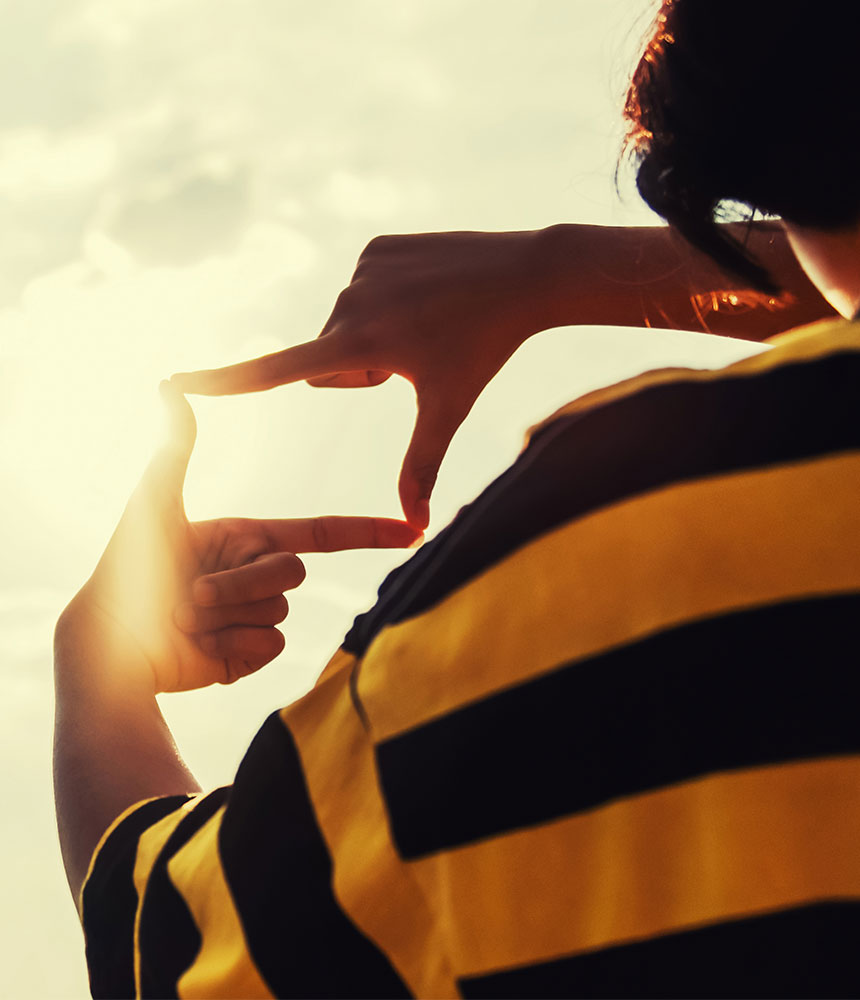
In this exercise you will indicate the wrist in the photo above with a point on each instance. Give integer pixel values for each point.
(535, 282)
(93, 651)
(568, 283)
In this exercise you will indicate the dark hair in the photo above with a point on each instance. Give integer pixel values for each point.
(752, 103)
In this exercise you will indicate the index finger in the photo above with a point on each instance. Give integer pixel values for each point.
(323, 356)
(334, 533)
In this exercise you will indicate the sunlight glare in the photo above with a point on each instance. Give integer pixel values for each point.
(91, 341)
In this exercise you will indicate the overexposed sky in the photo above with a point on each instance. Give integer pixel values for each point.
(185, 183)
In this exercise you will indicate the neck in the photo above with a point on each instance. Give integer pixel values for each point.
(831, 258)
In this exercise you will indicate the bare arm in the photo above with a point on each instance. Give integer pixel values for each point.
(447, 310)
(171, 606)
(650, 277)
(112, 747)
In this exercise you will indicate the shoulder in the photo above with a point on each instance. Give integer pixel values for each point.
(643, 436)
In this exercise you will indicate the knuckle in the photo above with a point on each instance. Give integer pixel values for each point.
(321, 534)
(232, 670)
(278, 642)
(425, 478)
(363, 264)
(301, 572)
(344, 301)
(293, 571)
(347, 305)
(271, 644)
(363, 339)
(377, 245)
(380, 246)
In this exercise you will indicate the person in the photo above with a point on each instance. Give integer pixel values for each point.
(597, 737)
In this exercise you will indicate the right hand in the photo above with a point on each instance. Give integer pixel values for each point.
(443, 310)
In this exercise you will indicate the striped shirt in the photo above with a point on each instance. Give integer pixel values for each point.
(598, 738)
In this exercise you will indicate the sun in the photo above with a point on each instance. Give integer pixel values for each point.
(82, 357)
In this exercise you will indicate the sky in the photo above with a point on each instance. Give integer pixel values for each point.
(186, 183)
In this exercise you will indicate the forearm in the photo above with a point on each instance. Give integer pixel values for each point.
(112, 747)
(650, 277)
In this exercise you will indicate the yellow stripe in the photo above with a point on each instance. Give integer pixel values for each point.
(655, 561)
(723, 847)
(341, 660)
(806, 343)
(813, 340)
(149, 846)
(371, 882)
(101, 843)
(223, 967)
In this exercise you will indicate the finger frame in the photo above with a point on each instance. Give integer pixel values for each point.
(194, 619)
(337, 533)
(323, 356)
(266, 576)
(242, 649)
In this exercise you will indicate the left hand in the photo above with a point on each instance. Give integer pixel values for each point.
(444, 310)
(182, 605)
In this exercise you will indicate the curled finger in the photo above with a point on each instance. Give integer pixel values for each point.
(267, 576)
(235, 670)
(193, 618)
(254, 647)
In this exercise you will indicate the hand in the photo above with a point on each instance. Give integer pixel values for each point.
(181, 605)
(444, 310)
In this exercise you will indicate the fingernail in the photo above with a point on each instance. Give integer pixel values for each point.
(186, 617)
(419, 541)
(204, 592)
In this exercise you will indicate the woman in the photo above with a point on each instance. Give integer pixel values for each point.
(597, 738)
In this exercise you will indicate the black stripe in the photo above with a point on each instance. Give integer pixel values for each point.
(168, 937)
(756, 687)
(110, 902)
(660, 435)
(280, 874)
(810, 951)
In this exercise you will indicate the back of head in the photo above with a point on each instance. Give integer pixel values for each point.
(752, 102)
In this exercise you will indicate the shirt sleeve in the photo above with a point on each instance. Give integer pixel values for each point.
(229, 893)
(110, 898)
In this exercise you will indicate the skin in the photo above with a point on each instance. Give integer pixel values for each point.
(832, 260)
(175, 606)
(171, 606)
(447, 310)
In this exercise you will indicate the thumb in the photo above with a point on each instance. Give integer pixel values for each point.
(166, 472)
(436, 423)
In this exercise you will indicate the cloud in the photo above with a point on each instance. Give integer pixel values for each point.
(35, 163)
(49, 81)
(185, 183)
(113, 23)
(179, 219)
(357, 197)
